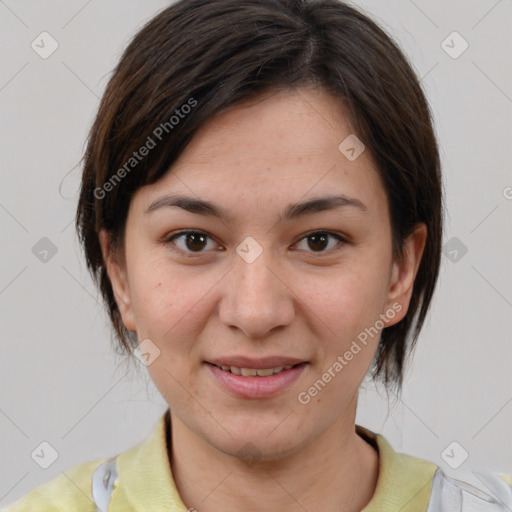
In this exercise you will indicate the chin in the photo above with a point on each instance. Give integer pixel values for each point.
(256, 438)
(255, 449)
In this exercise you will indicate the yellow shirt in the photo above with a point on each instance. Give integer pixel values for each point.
(144, 481)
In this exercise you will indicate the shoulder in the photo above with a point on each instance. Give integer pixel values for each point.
(482, 490)
(488, 491)
(412, 484)
(71, 490)
(136, 474)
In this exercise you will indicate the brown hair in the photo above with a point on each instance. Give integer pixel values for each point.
(210, 54)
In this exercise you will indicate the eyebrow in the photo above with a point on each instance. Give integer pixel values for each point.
(291, 212)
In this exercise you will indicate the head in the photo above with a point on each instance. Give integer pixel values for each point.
(251, 107)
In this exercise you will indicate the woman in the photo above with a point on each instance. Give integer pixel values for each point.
(261, 206)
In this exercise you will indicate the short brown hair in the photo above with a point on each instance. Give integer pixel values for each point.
(219, 52)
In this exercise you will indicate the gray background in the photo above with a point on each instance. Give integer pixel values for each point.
(60, 381)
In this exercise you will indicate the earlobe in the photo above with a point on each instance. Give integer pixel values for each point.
(403, 273)
(116, 270)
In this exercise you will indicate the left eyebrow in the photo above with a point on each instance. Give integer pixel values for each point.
(291, 212)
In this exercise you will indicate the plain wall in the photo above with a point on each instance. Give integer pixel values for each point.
(60, 381)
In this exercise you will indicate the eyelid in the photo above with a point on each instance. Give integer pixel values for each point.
(342, 239)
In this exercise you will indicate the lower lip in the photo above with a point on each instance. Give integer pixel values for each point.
(257, 387)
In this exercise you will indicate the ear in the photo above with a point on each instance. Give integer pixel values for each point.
(403, 274)
(116, 269)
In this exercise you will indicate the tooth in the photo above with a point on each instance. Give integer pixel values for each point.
(265, 373)
(251, 372)
(248, 372)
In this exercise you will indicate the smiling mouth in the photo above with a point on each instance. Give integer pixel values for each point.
(255, 372)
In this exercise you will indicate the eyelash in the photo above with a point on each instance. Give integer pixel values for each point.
(169, 241)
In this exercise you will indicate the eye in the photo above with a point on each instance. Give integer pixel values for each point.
(192, 242)
(318, 240)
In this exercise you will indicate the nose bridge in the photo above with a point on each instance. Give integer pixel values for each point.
(255, 275)
(257, 300)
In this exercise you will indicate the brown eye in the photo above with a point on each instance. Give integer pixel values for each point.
(319, 240)
(190, 242)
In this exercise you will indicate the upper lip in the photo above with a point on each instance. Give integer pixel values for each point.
(261, 363)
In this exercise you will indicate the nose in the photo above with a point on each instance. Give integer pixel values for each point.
(257, 298)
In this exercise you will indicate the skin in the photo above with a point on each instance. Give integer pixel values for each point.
(297, 299)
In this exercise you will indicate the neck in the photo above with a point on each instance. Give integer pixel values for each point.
(338, 471)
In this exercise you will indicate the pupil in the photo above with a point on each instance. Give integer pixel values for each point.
(194, 237)
(317, 237)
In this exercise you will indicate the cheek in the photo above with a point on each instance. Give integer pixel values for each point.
(169, 304)
(348, 299)
(158, 297)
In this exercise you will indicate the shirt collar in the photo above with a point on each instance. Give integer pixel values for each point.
(404, 482)
(144, 472)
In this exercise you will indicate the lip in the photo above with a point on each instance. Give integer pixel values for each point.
(262, 363)
(257, 387)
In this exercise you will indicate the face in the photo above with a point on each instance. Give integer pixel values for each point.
(264, 283)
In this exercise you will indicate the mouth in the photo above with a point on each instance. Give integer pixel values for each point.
(255, 378)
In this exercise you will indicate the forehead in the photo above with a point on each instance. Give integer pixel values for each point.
(276, 148)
